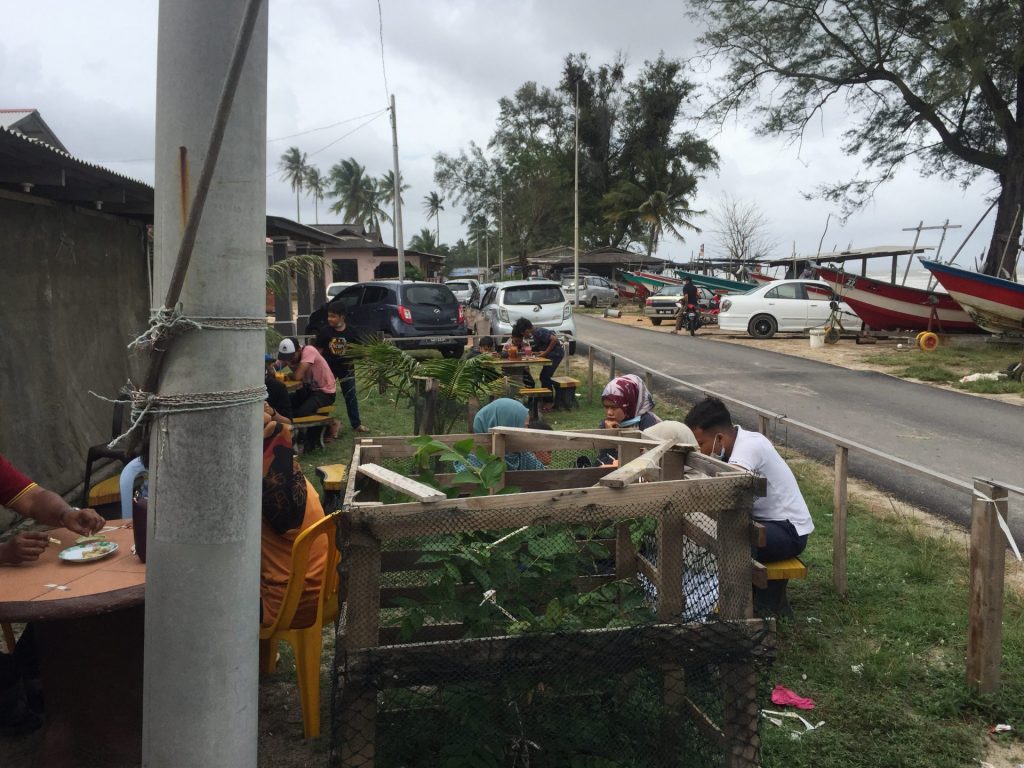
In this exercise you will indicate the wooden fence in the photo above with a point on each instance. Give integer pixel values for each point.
(989, 504)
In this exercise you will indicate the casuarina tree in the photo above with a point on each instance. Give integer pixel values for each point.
(939, 81)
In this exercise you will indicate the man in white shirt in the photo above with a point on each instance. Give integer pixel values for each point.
(783, 511)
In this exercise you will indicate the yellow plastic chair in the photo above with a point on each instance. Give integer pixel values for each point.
(306, 642)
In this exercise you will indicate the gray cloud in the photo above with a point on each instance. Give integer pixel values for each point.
(93, 76)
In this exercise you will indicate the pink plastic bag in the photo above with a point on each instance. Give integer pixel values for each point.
(785, 697)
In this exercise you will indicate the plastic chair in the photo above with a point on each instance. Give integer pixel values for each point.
(101, 451)
(306, 642)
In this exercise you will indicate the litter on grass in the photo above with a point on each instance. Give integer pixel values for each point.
(787, 698)
(775, 718)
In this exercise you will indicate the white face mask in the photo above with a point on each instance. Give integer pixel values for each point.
(721, 454)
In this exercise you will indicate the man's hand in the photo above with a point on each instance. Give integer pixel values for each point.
(83, 521)
(24, 548)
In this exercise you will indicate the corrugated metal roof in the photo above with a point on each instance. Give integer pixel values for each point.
(63, 157)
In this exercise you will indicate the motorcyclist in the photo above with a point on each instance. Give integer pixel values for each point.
(688, 297)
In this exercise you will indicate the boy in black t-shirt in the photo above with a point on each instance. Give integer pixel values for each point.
(332, 340)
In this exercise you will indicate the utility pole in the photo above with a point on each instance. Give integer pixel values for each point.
(202, 574)
(576, 207)
(399, 244)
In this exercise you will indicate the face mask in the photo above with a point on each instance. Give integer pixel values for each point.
(721, 454)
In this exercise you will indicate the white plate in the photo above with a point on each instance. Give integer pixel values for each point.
(88, 552)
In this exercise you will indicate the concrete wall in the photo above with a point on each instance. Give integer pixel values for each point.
(74, 292)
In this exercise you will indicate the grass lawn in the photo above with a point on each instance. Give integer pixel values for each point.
(949, 362)
(885, 666)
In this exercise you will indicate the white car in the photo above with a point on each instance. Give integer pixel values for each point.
(542, 302)
(783, 305)
(462, 288)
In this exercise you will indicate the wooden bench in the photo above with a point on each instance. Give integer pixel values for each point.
(565, 395)
(308, 431)
(770, 597)
(332, 478)
(534, 395)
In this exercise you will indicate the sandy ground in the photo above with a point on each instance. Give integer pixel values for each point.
(846, 354)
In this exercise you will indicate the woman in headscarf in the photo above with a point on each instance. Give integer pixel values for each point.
(290, 506)
(506, 412)
(627, 403)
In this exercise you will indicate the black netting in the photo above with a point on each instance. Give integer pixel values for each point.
(575, 626)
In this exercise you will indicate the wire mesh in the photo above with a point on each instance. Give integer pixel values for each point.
(588, 627)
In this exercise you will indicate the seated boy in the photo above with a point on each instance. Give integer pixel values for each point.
(782, 511)
(483, 347)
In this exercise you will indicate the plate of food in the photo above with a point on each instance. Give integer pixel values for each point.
(87, 552)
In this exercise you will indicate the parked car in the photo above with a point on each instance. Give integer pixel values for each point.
(783, 305)
(593, 291)
(541, 302)
(463, 289)
(664, 304)
(416, 315)
(335, 288)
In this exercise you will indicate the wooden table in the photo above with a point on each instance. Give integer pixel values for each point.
(291, 386)
(88, 622)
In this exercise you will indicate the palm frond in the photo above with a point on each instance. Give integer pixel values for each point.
(299, 264)
(384, 366)
(460, 380)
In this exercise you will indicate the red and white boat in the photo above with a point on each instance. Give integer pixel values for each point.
(887, 307)
(997, 305)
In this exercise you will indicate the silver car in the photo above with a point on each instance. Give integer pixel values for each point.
(594, 290)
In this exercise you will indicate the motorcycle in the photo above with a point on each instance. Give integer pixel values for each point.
(692, 318)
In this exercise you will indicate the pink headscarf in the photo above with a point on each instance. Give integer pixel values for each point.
(630, 394)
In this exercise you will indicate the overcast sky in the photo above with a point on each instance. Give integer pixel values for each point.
(92, 74)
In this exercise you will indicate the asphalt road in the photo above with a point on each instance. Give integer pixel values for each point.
(957, 434)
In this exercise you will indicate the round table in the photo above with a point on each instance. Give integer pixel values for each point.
(88, 622)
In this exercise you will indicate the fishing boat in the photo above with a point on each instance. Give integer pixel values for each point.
(716, 284)
(997, 305)
(885, 306)
(645, 283)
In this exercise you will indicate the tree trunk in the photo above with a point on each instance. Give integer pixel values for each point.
(1008, 222)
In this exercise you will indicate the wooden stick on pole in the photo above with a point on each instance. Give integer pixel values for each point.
(987, 561)
(839, 521)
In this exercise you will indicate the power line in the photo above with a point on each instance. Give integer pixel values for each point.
(383, 67)
(323, 127)
(375, 115)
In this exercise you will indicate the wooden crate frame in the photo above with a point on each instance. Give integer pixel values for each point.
(724, 527)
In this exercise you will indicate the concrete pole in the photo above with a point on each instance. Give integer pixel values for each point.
(576, 208)
(399, 238)
(203, 559)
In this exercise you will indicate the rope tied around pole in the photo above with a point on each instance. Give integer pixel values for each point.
(166, 323)
(1002, 522)
(148, 404)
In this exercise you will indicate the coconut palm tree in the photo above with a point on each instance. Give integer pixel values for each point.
(423, 241)
(653, 204)
(387, 185)
(316, 185)
(354, 190)
(433, 205)
(293, 169)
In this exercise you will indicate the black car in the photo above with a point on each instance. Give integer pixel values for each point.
(415, 315)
